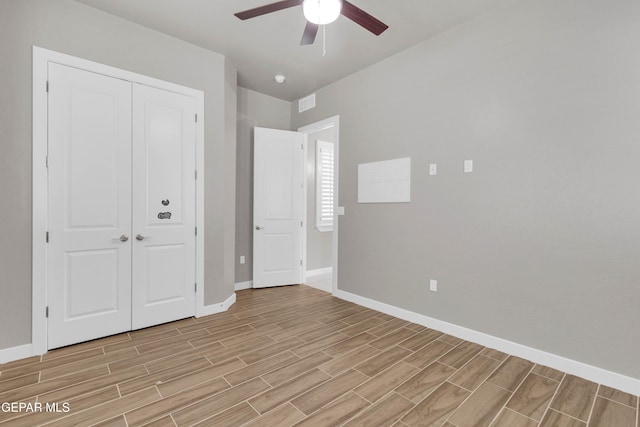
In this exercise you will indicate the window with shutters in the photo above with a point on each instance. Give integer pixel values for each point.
(324, 185)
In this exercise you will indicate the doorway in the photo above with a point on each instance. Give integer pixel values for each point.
(320, 237)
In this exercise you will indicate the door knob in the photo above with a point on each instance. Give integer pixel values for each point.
(124, 238)
(258, 227)
(139, 237)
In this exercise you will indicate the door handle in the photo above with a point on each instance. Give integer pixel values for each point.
(124, 238)
(140, 237)
(258, 227)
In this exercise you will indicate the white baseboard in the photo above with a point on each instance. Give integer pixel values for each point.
(208, 310)
(244, 285)
(16, 353)
(319, 271)
(573, 367)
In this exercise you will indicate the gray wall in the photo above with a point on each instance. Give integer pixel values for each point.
(254, 109)
(319, 243)
(539, 245)
(78, 30)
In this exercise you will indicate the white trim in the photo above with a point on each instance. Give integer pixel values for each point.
(331, 122)
(244, 285)
(16, 353)
(319, 271)
(208, 310)
(41, 58)
(573, 367)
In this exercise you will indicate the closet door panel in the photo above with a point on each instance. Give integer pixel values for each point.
(163, 207)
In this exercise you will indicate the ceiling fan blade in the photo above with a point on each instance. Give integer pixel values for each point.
(268, 8)
(362, 18)
(309, 35)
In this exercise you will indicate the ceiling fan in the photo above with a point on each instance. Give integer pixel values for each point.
(320, 12)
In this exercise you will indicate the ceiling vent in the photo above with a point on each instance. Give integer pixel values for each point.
(307, 103)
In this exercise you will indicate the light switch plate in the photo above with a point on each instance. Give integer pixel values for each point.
(433, 285)
(340, 210)
(468, 166)
(242, 259)
(433, 169)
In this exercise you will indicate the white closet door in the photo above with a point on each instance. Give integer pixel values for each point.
(89, 266)
(163, 206)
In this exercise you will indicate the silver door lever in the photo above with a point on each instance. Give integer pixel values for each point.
(139, 237)
(258, 227)
(124, 238)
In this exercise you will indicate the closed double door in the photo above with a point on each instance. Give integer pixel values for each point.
(121, 211)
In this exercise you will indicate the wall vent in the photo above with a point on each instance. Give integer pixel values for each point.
(307, 103)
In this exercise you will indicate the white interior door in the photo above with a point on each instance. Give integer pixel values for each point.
(164, 206)
(89, 268)
(277, 207)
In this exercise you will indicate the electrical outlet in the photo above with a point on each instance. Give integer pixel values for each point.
(242, 259)
(433, 169)
(433, 285)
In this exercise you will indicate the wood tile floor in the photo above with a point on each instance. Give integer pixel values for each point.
(297, 356)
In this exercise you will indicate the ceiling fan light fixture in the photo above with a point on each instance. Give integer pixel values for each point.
(321, 12)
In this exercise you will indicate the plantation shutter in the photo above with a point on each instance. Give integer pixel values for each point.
(324, 185)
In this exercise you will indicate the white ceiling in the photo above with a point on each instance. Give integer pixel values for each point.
(267, 45)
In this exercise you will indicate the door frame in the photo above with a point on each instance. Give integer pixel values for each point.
(39, 286)
(329, 123)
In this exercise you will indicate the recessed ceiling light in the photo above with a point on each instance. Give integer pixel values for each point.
(279, 78)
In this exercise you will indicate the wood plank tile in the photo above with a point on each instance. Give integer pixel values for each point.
(82, 388)
(271, 349)
(494, 354)
(18, 382)
(508, 418)
(392, 338)
(481, 407)
(511, 373)
(160, 408)
(359, 317)
(165, 421)
(285, 415)
(545, 371)
(20, 363)
(320, 344)
(382, 361)
(141, 340)
(607, 413)
(169, 387)
(388, 327)
(50, 364)
(328, 391)
(365, 325)
(437, 406)
(385, 412)
(425, 381)
(235, 416)
(533, 396)
(474, 373)
(160, 344)
(118, 421)
(334, 414)
(110, 409)
(429, 354)
(421, 339)
(618, 396)
(378, 386)
(575, 397)
(349, 360)
(450, 339)
(287, 391)
(260, 368)
(154, 378)
(219, 402)
(349, 344)
(294, 369)
(557, 419)
(460, 355)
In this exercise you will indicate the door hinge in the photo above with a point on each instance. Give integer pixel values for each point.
(196, 118)
(195, 287)
(300, 262)
(300, 223)
(302, 146)
(47, 86)
(196, 231)
(196, 174)
(47, 237)
(46, 312)
(46, 162)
